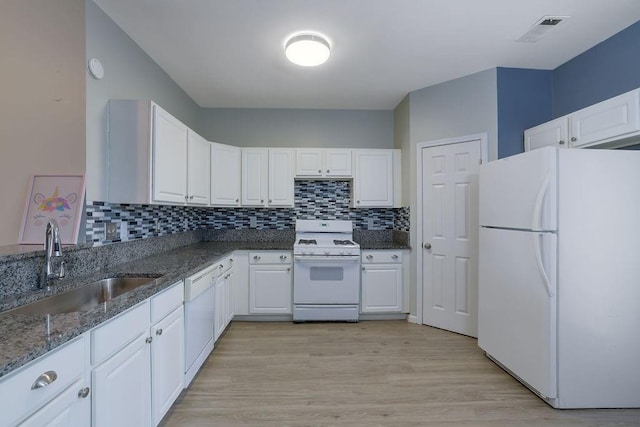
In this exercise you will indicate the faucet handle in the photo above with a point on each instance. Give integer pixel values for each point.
(62, 272)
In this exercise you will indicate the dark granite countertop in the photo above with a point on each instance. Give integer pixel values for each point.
(24, 338)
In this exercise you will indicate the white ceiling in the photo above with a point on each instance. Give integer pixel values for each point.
(229, 53)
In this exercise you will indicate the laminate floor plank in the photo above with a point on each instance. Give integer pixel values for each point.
(376, 373)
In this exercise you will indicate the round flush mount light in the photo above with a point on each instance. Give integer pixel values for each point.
(307, 49)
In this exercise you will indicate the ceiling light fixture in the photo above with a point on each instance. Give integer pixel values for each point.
(307, 50)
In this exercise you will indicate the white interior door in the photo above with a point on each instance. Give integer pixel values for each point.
(450, 236)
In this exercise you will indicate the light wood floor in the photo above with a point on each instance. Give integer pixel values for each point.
(382, 373)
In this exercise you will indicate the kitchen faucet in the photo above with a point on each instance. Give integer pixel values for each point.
(52, 248)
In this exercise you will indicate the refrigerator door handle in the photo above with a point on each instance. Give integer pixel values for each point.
(537, 207)
(543, 273)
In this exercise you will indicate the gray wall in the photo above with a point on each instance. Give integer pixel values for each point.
(129, 74)
(265, 127)
(464, 106)
(42, 104)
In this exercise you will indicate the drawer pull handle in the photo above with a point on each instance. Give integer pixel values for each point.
(256, 257)
(394, 256)
(221, 266)
(369, 256)
(148, 340)
(83, 393)
(44, 380)
(159, 331)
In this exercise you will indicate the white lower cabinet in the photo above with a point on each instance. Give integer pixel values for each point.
(382, 284)
(225, 305)
(167, 363)
(49, 390)
(122, 386)
(270, 282)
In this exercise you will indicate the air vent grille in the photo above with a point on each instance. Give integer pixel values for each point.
(540, 28)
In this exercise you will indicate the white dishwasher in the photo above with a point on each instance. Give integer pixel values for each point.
(199, 319)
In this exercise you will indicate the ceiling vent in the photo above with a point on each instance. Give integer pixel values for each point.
(540, 28)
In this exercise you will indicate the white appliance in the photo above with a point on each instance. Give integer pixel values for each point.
(559, 274)
(326, 272)
(199, 315)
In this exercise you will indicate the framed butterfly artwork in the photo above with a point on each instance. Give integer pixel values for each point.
(57, 197)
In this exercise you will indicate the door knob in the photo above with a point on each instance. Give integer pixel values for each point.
(427, 245)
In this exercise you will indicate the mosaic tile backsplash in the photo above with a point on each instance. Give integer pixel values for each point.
(313, 200)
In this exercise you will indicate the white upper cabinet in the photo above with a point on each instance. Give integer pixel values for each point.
(153, 157)
(281, 177)
(606, 121)
(554, 133)
(198, 169)
(373, 178)
(320, 163)
(169, 158)
(613, 123)
(225, 175)
(255, 175)
(267, 177)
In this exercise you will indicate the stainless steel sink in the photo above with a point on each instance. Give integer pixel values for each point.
(83, 297)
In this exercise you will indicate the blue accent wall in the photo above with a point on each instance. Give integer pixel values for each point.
(524, 101)
(604, 71)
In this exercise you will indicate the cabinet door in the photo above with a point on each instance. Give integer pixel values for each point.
(270, 289)
(70, 408)
(225, 175)
(606, 120)
(255, 163)
(281, 173)
(309, 162)
(122, 387)
(167, 362)
(198, 169)
(221, 307)
(381, 288)
(230, 301)
(373, 178)
(337, 162)
(169, 158)
(554, 133)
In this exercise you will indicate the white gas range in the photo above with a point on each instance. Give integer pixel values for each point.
(326, 279)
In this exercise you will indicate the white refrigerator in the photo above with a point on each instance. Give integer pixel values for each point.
(559, 273)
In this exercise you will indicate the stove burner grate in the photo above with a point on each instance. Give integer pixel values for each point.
(307, 242)
(343, 243)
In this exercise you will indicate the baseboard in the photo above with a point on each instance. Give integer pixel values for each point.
(412, 319)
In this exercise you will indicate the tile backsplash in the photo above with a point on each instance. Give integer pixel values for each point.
(313, 200)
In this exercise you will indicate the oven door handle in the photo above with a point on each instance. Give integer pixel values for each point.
(328, 258)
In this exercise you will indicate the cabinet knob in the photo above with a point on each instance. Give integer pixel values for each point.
(358, 202)
(319, 170)
(270, 200)
(369, 256)
(83, 393)
(288, 268)
(362, 268)
(574, 139)
(394, 256)
(327, 170)
(148, 340)
(427, 245)
(261, 200)
(190, 197)
(186, 197)
(44, 380)
(256, 257)
(221, 266)
(159, 332)
(237, 200)
(283, 257)
(561, 142)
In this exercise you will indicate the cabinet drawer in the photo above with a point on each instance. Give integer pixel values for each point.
(166, 301)
(223, 265)
(66, 365)
(270, 257)
(118, 332)
(381, 256)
